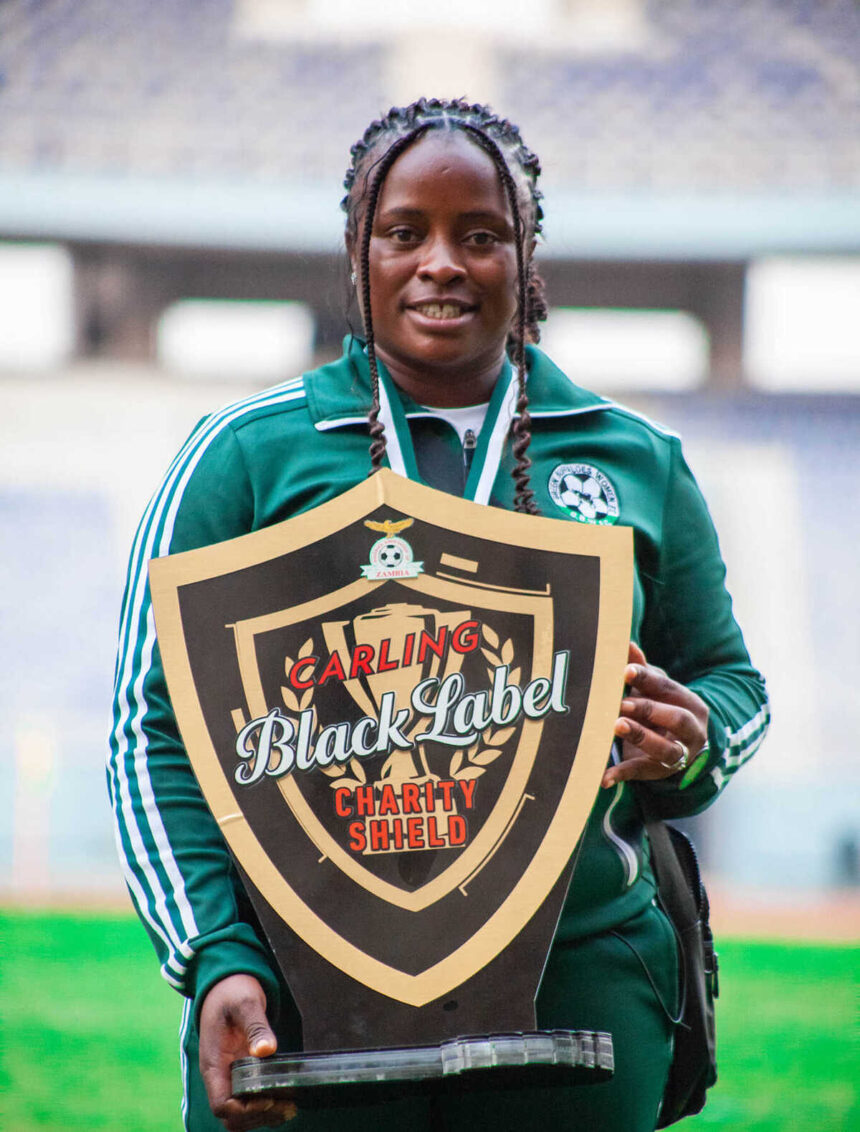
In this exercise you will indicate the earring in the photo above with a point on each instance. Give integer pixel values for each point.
(352, 278)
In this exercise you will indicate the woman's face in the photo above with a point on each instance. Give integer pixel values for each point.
(443, 271)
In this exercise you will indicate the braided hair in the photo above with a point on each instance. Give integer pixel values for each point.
(518, 169)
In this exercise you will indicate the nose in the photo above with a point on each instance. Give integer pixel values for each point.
(441, 262)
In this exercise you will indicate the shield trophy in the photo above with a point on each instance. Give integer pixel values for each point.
(398, 707)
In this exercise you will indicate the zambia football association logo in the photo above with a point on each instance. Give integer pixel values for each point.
(401, 738)
(390, 556)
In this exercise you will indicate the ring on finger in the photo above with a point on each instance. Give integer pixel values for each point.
(681, 762)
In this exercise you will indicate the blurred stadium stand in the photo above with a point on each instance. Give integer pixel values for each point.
(146, 132)
(745, 95)
(168, 151)
(742, 95)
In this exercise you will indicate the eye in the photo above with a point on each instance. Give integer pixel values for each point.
(404, 235)
(482, 239)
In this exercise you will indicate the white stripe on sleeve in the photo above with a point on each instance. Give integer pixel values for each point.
(153, 539)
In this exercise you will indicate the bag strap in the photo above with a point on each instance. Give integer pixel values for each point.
(676, 894)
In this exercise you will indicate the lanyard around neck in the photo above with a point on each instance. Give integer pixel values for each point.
(491, 440)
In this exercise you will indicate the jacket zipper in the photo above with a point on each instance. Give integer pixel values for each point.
(470, 443)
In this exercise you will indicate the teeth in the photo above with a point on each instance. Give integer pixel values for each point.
(440, 310)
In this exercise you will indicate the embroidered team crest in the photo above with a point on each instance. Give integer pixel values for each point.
(584, 493)
(391, 556)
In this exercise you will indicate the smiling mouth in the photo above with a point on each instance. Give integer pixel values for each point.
(443, 310)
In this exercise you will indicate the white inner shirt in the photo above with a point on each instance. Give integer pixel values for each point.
(469, 417)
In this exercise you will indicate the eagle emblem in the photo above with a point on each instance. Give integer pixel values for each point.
(389, 527)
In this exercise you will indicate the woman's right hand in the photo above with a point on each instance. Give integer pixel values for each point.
(233, 1024)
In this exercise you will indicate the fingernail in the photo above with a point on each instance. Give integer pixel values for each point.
(631, 673)
(628, 705)
(622, 727)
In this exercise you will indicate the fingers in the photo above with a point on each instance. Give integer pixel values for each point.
(250, 1017)
(648, 682)
(259, 1036)
(654, 737)
(233, 1024)
(652, 683)
(645, 763)
(264, 1112)
(659, 719)
(239, 1114)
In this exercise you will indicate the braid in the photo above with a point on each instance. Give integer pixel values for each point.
(518, 168)
(524, 496)
(377, 429)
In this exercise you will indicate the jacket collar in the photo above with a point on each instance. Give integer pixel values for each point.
(339, 393)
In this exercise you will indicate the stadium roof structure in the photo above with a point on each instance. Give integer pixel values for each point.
(708, 129)
(292, 217)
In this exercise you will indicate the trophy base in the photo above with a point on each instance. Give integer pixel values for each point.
(362, 1076)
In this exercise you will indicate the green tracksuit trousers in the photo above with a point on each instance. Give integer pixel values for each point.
(623, 981)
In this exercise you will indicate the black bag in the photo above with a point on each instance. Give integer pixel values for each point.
(682, 897)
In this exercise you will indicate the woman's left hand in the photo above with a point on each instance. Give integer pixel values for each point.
(661, 722)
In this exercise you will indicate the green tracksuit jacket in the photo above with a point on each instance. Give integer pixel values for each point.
(293, 447)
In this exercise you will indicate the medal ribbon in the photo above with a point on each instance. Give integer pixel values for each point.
(491, 440)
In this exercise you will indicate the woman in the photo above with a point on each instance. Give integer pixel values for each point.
(442, 214)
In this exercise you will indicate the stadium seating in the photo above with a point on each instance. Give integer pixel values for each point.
(742, 95)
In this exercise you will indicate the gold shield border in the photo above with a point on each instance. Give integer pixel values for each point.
(498, 824)
(612, 545)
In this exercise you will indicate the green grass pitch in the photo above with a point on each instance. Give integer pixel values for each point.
(90, 1032)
